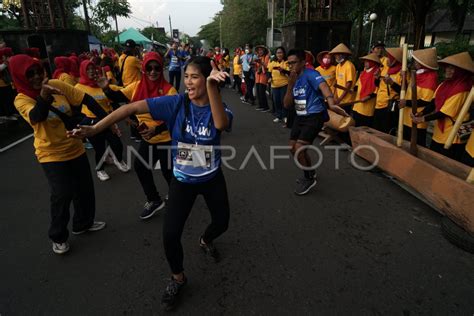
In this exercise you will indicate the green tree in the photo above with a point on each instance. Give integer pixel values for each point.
(106, 9)
(157, 36)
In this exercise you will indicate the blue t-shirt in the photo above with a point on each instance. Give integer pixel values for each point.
(247, 59)
(307, 97)
(175, 62)
(195, 158)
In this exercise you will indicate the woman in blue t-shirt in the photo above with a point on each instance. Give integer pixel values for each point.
(195, 121)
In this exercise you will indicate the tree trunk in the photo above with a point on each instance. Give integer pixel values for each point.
(86, 16)
(419, 10)
(360, 26)
(116, 29)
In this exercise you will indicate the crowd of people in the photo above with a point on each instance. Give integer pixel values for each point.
(89, 94)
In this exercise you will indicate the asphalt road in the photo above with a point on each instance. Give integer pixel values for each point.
(357, 244)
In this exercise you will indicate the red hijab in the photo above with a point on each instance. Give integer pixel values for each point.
(427, 79)
(367, 79)
(147, 88)
(74, 66)
(63, 65)
(7, 51)
(396, 67)
(84, 78)
(33, 52)
(461, 81)
(18, 66)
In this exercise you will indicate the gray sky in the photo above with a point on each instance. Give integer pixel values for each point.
(186, 15)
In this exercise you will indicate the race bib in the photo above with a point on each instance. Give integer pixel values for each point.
(194, 155)
(174, 60)
(300, 107)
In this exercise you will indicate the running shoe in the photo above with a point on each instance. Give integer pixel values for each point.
(102, 175)
(170, 296)
(209, 250)
(121, 165)
(96, 226)
(266, 110)
(151, 208)
(303, 185)
(60, 248)
(259, 109)
(276, 120)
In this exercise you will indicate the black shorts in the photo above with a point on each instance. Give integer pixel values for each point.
(307, 127)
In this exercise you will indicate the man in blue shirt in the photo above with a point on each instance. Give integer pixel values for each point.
(174, 68)
(248, 61)
(307, 91)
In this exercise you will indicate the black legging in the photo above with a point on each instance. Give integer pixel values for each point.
(145, 175)
(262, 96)
(100, 141)
(175, 78)
(181, 200)
(249, 82)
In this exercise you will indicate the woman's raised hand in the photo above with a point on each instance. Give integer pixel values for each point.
(82, 131)
(216, 75)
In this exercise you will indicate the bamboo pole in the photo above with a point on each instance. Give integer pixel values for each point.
(414, 108)
(464, 110)
(402, 96)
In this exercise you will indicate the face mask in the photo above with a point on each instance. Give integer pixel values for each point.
(326, 61)
(247, 51)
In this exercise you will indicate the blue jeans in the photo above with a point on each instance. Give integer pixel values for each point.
(278, 94)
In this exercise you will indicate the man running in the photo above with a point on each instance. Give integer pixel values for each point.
(307, 91)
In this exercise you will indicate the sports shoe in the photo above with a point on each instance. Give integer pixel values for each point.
(151, 208)
(121, 165)
(88, 145)
(265, 110)
(276, 120)
(259, 109)
(171, 294)
(209, 250)
(242, 98)
(303, 185)
(102, 175)
(96, 226)
(60, 248)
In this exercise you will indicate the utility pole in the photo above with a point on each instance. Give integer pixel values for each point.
(171, 29)
(272, 25)
(86, 16)
(220, 30)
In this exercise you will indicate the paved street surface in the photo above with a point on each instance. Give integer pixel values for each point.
(357, 244)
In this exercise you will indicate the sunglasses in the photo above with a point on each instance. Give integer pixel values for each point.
(151, 68)
(33, 72)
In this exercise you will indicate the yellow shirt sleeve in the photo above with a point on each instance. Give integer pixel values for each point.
(64, 77)
(73, 95)
(129, 91)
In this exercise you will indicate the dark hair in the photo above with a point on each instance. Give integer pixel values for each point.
(284, 53)
(203, 63)
(299, 53)
(107, 61)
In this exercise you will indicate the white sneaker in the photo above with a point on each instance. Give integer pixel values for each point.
(276, 120)
(102, 175)
(60, 248)
(122, 166)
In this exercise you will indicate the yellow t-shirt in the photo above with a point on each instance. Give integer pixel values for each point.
(98, 95)
(328, 74)
(51, 142)
(346, 72)
(237, 66)
(146, 118)
(131, 70)
(278, 79)
(470, 145)
(366, 108)
(451, 107)
(64, 77)
(383, 97)
(384, 60)
(421, 94)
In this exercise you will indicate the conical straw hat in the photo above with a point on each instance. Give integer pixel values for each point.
(396, 52)
(372, 57)
(426, 57)
(462, 60)
(341, 49)
(309, 56)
